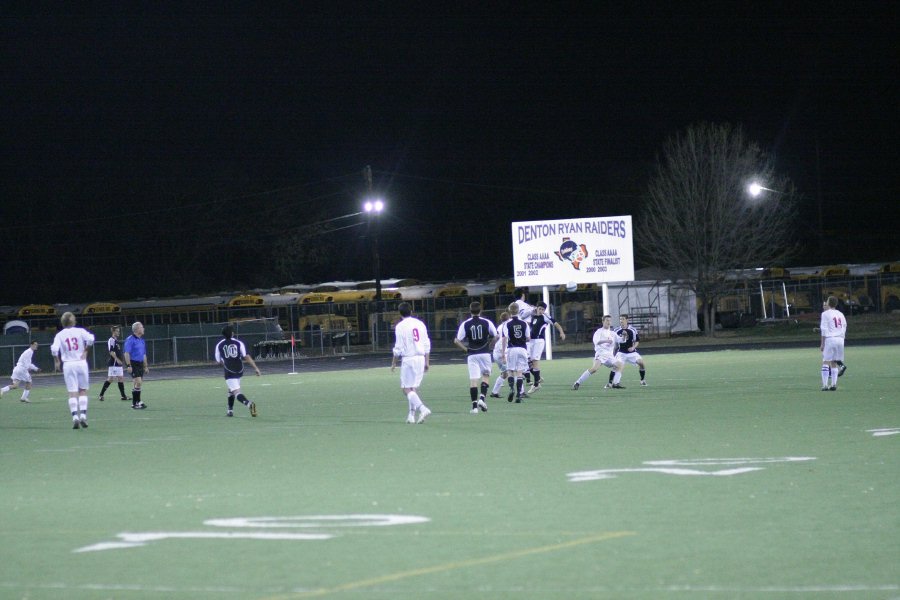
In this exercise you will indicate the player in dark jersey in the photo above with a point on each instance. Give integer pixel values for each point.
(514, 338)
(115, 366)
(475, 337)
(540, 322)
(232, 354)
(628, 349)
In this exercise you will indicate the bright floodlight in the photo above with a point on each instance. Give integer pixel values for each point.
(755, 189)
(373, 206)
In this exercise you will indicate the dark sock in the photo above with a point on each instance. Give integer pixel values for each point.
(230, 402)
(105, 387)
(537, 376)
(473, 393)
(135, 397)
(611, 375)
(642, 372)
(122, 389)
(512, 382)
(243, 399)
(484, 389)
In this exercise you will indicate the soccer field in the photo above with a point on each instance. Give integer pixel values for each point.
(730, 476)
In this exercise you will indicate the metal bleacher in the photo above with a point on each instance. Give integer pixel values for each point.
(643, 313)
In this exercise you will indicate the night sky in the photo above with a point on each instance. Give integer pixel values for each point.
(151, 154)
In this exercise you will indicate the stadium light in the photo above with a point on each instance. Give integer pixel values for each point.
(755, 189)
(375, 205)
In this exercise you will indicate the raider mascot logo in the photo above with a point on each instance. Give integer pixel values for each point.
(572, 252)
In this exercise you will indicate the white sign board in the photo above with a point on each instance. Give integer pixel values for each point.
(589, 250)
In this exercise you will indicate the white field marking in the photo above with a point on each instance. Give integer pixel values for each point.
(676, 467)
(265, 384)
(112, 587)
(700, 462)
(318, 521)
(134, 540)
(883, 432)
(788, 589)
(580, 476)
(800, 589)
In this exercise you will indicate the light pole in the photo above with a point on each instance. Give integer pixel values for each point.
(373, 209)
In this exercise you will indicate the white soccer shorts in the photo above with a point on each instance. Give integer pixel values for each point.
(412, 370)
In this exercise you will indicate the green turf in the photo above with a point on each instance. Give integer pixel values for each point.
(504, 519)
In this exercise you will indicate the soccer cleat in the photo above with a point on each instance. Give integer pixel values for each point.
(607, 386)
(575, 386)
(25, 400)
(533, 389)
(644, 383)
(76, 424)
(83, 423)
(411, 418)
(474, 411)
(841, 370)
(495, 395)
(100, 397)
(825, 389)
(510, 397)
(832, 388)
(423, 414)
(520, 399)
(229, 413)
(482, 405)
(253, 409)
(139, 406)
(124, 399)
(616, 386)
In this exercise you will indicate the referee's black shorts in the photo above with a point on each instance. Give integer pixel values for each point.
(137, 369)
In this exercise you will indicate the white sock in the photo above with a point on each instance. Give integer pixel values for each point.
(834, 376)
(583, 378)
(414, 401)
(73, 408)
(498, 384)
(4, 389)
(617, 377)
(826, 371)
(25, 394)
(82, 405)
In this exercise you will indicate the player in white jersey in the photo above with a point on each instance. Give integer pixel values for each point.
(833, 328)
(22, 373)
(523, 309)
(70, 346)
(605, 340)
(628, 351)
(500, 358)
(412, 349)
(841, 366)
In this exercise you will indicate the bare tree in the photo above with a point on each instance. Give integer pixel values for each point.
(700, 221)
